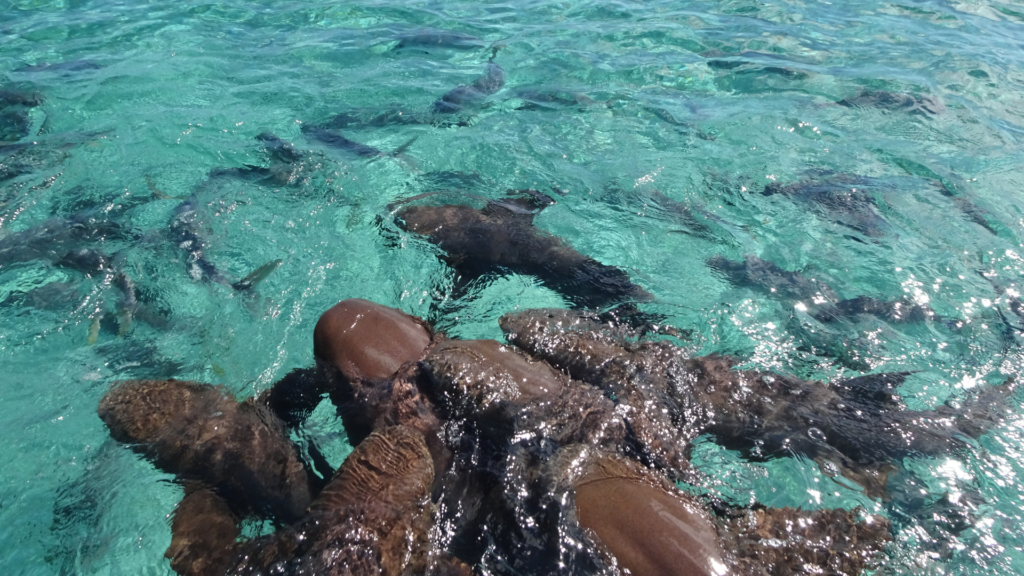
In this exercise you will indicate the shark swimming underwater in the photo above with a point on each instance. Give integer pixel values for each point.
(187, 230)
(473, 95)
(502, 237)
(15, 106)
(824, 303)
(528, 472)
(857, 427)
(456, 108)
(894, 102)
(80, 243)
(429, 41)
(188, 227)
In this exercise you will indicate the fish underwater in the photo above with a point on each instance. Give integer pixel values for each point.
(90, 242)
(187, 231)
(845, 199)
(770, 278)
(852, 200)
(395, 115)
(755, 72)
(455, 108)
(53, 238)
(188, 228)
(284, 167)
(816, 295)
(97, 247)
(894, 102)
(547, 98)
(743, 67)
(430, 41)
(474, 95)
(339, 142)
(857, 427)
(502, 237)
(541, 473)
(372, 117)
(15, 117)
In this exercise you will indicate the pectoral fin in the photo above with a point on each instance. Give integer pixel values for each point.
(124, 321)
(94, 330)
(873, 479)
(401, 149)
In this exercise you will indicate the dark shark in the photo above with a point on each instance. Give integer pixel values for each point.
(431, 40)
(816, 295)
(15, 120)
(858, 427)
(474, 95)
(543, 474)
(894, 102)
(186, 228)
(502, 236)
(846, 199)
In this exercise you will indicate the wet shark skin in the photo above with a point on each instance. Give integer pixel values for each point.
(478, 242)
(199, 432)
(846, 427)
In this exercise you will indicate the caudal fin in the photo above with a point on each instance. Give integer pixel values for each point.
(977, 415)
(401, 149)
(256, 276)
(399, 154)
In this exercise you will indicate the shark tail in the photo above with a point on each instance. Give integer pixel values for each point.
(399, 154)
(125, 322)
(496, 47)
(94, 330)
(401, 149)
(256, 276)
(979, 414)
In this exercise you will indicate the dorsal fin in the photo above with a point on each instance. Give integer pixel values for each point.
(521, 205)
(512, 209)
(876, 388)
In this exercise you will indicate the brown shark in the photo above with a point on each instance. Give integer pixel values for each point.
(857, 427)
(502, 237)
(202, 434)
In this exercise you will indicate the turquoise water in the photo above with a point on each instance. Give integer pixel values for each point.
(654, 130)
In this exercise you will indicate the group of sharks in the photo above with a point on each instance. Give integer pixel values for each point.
(424, 411)
(477, 241)
(82, 241)
(566, 450)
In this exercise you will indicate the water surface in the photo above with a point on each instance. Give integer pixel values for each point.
(664, 114)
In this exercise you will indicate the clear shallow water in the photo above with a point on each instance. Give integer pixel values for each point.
(182, 88)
